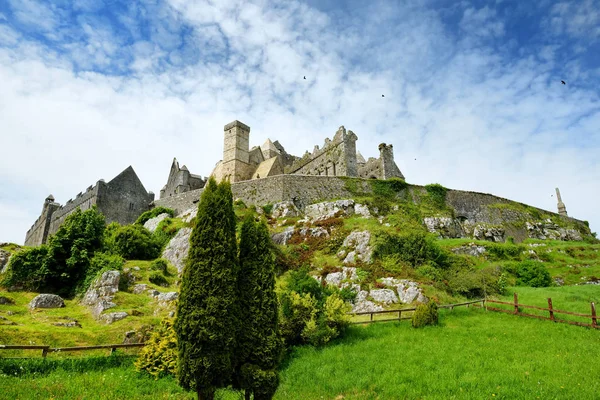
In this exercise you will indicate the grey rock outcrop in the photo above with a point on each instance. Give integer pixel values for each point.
(6, 300)
(114, 316)
(283, 237)
(152, 223)
(101, 292)
(167, 297)
(490, 233)
(140, 288)
(385, 296)
(444, 227)
(177, 249)
(47, 301)
(346, 275)
(361, 304)
(285, 209)
(188, 215)
(319, 231)
(549, 230)
(4, 258)
(408, 291)
(356, 247)
(470, 249)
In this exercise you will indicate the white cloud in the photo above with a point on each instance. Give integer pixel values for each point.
(472, 119)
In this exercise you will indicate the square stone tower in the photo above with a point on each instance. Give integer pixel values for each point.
(236, 152)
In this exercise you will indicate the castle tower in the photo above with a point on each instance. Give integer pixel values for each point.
(236, 149)
(389, 169)
(562, 210)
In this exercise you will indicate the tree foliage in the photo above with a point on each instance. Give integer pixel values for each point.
(155, 212)
(132, 242)
(207, 318)
(159, 356)
(258, 345)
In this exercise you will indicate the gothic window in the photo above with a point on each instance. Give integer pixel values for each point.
(333, 169)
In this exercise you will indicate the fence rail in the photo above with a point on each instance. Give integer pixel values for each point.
(405, 310)
(48, 349)
(550, 309)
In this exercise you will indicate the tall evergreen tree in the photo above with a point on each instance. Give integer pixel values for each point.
(206, 322)
(259, 345)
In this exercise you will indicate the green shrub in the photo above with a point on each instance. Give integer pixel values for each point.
(347, 294)
(159, 357)
(166, 230)
(510, 240)
(387, 189)
(415, 248)
(160, 264)
(158, 279)
(28, 268)
(155, 212)
(474, 283)
(133, 242)
(534, 274)
(425, 314)
(437, 194)
(504, 251)
(267, 208)
(430, 272)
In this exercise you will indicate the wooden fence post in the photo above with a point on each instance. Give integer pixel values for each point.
(594, 320)
(399, 315)
(45, 351)
(550, 308)
(371, 316)
(516, 298)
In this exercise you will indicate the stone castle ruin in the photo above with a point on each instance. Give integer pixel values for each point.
(267, 174)
(337, 157)
(121, 200)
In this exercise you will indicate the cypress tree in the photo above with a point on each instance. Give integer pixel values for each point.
(206, 322)
(259, 345)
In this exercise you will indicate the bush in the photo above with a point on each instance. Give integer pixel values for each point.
(28, 268)
(166, 230)
(159, 357)
(387, 189)
(437, 194)
(100, 263)
(133, 242)
(425, 314)
(504, 251)
(533, 273)
(155, 212)
(415, 248)
(158, 279)
(160, 264)
(473, 283)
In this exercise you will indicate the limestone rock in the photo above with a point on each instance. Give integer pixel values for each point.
(325, 210)
(167, 297)
(361, 304)
(444, 227)
(362, 210)
(385, 296)
(6, 300)
(140, 288)
(152, 223)
(102, 288)
(177, 249)
(334, 278)
(357, 245)
(153, 292)
(408, 291)
(314, 232)
(283, 237)
(4, 258)
(548, 230)
(470, 249)
(47, 301)
(114, 316)
(284, 209)
(189, 214)
(483, 232)
(72, 324)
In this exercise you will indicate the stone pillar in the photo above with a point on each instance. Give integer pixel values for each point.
(389, 169)
(562, 210)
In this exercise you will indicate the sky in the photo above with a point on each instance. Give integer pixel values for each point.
(473, 97)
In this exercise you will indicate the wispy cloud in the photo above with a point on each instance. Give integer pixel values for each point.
(476, 105)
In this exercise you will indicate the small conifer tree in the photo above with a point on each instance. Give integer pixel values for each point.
(259, 344)
(206, 322)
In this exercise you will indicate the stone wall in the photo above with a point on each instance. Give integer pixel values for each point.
(38, 233)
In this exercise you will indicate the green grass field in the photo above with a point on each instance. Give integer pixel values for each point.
(472, 354)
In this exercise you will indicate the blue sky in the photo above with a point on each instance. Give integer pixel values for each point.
(472, 91)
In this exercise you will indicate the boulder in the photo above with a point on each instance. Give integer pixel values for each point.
(4, 258)
(284, 209)
(549, 230)
(362, 210)
(334, 278)
(114, 316)
(177, 249)
(72, 324)
(189, 214)
(490, 233)
(408, 291)
(152, 223)
(314, 232)
(167, 297)
(361, 304)
(283, 237)
(47, 301)
(153, 292)
(385, 296)
(6, 300)
(140, 288)
(332, 209)
(444, 227)
(470, 249)
(356, 247)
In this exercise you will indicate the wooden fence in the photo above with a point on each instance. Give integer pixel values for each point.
(47, 349)
(551, 312)
(405, 310)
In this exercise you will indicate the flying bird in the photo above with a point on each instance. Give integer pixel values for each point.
(382, 96)
(304, 77)
(563, 82)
